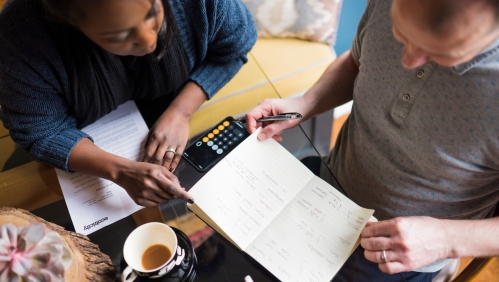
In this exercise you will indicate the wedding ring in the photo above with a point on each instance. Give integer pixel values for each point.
(383, 256)
(171, 150)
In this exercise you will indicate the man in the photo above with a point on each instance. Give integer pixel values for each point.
(421, 145)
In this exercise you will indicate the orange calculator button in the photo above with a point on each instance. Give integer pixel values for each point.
(211, 135)
(221, 127)
(205, 139)
(226, 123)
(216, 131)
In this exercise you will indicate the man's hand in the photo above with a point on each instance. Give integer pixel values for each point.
(409, 243)
(272, 107)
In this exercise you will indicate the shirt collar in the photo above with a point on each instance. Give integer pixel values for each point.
(490, 51)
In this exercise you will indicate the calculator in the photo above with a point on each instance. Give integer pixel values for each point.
(212, 146)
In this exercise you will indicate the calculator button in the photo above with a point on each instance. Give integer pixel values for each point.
(226, 131)
(238, 133)
(225, 139)
(214, 147)
(221, 127)
(215, 139)
(210, 143)
(205, 139)
(226, 123)
(220, 143)
(230, 135)
(216, 131)
(199, 143)
(225, 147)
(220, 151)
(211, 135)
(231, 127)
(230, 143)
(221, 135)
(235, 139)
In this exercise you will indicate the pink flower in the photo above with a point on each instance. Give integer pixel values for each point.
(32, 253)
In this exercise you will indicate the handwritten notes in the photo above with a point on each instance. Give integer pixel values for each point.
(268, 203)
(95, 202)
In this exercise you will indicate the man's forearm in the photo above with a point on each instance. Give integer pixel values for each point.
(472, 238)
(334, 88)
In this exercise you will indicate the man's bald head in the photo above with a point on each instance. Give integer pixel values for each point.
(438, 16)
(446, 32)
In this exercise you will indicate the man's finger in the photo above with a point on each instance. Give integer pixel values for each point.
(392, 267)
(377, 229)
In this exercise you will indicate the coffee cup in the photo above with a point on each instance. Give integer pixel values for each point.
(151, 250)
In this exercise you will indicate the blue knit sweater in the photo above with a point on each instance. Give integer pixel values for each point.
(47, 88)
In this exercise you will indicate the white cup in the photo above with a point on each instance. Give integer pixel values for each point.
(140, 240)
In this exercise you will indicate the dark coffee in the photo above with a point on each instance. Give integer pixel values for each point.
(155, 256)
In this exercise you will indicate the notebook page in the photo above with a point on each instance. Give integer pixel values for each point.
(313, 235)
(249, 187)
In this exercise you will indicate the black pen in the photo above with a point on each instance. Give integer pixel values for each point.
(283, 116)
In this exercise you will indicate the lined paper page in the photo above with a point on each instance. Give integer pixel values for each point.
(249, 187)
(313, 235)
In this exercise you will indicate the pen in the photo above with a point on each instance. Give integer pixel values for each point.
(283, 116)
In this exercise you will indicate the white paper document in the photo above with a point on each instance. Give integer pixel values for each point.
(94, 202)
(264, 200)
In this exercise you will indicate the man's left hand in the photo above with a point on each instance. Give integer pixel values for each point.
(409, 243)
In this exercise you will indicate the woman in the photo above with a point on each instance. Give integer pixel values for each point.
(66, 63)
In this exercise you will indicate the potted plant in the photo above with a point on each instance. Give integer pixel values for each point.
(32, 253)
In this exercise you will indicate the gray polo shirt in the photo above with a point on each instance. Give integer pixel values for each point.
(423, 141)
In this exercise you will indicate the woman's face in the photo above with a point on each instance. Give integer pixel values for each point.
(124, 27)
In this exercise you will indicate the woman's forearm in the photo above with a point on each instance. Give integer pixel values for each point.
(189, 100)
(86, 157)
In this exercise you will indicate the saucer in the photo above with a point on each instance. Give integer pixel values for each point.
(184, 272)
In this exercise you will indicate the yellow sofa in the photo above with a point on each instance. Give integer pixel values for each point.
(289, 67)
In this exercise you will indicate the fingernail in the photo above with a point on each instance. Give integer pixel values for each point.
(171, 169)
(181, 185)
(262, 136)
(190, 201)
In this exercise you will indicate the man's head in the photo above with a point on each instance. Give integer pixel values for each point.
(446, 32)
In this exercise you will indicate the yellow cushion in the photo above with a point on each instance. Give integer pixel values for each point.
(292, 65)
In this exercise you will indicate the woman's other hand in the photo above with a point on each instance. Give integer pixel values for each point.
(167, 139)
(171, 130)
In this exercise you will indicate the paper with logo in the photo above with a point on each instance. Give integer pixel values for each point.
(265, 201)
(94, 202)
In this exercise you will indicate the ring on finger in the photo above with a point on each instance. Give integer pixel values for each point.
(171, 150)
(383, 256)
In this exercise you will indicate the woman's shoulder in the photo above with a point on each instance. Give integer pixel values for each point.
(24, 21)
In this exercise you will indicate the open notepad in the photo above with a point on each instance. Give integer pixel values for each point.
(267, 203)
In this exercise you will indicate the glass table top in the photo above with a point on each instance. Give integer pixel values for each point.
(217, 259)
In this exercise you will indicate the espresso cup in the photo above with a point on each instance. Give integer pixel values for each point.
(144, 252)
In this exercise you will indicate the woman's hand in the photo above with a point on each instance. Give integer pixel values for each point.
(167, 139)
(171, 130)
(272, 107)
(150, 185)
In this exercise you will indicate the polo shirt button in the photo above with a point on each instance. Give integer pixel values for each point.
(406, 97)
(420, 73)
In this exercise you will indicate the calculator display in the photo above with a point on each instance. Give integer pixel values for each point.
(215, 144)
